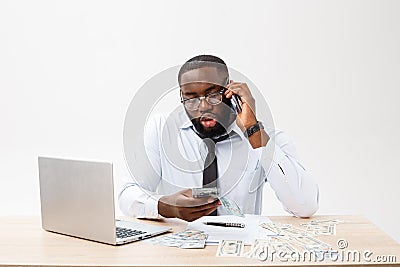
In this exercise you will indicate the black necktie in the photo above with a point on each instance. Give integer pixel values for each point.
(210, 172)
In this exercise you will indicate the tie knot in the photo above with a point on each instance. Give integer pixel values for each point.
(221, 138)
(210, 143)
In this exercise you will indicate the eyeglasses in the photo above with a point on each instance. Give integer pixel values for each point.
(212, 99)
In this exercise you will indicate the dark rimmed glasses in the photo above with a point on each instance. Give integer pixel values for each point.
(212, 99)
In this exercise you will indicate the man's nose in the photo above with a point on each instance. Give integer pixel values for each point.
(204, 105)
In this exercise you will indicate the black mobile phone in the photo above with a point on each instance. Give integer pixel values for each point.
(236, 102)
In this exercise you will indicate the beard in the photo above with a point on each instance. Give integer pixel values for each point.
(222, 121)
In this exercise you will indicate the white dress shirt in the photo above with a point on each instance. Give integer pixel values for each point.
(177, 154)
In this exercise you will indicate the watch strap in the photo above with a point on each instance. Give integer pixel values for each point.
(253, 129)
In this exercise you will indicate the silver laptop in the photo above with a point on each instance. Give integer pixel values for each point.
(77, 199)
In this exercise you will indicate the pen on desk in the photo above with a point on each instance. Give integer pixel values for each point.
(238, 225)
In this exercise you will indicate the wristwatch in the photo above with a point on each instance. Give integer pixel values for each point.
(253, 129)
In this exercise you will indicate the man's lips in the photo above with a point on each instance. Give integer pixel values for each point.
(208, 120)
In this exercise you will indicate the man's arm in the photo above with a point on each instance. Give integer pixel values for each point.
(138, 198)
(134, 202)
(292, 184)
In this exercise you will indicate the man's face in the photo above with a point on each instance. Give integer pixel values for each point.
(209, 120)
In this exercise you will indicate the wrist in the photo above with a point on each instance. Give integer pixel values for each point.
(249, 123)
(252, 129)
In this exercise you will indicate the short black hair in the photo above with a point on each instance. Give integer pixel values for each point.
(201, 61)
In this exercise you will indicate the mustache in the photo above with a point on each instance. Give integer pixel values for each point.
(206, 117)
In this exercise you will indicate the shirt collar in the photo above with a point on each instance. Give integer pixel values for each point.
(186, 123)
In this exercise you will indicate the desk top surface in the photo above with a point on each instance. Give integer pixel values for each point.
(24, 243)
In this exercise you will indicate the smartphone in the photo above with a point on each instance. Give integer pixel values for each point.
(236, 102)
(236, 106)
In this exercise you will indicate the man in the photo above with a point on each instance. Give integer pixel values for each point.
(216, 141)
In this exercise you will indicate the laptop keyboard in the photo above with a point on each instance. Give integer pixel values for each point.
(125, 232)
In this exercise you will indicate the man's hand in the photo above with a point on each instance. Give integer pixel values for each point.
(182, 205)
(247, 117)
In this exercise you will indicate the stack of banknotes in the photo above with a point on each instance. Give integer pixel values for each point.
(322, 227)
(185, 239)
(230, 206)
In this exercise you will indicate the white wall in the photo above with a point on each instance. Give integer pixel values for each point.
(329, 70)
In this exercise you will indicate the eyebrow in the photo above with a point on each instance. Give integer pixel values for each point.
(206, 91)
(190, 93)
(210, 88)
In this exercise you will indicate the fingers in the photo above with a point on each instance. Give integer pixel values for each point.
(238, 88)
(193, 213)
(211, 205)
(230, 91)
(185, 199)
(204, 212)
(198, 202)
(187, 192)
(234, 84)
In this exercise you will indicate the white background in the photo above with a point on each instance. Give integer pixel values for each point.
(329, 70)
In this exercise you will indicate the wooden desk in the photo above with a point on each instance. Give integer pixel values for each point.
(24, 243)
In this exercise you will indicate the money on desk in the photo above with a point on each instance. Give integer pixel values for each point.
(290, 238)
(186, 239)
(322, 227)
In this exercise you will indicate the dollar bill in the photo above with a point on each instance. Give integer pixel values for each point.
(230, 248)
(310, 243)
(189, 234)
(328, 221)
(294, 231)
(322, 227)
(231, 207)
(185, 239)
(283, 229)
(288, 234)
(170, 243)
(188, 244)
(326, 229)
(205, 192)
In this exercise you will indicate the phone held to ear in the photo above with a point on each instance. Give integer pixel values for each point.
(236, 102)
